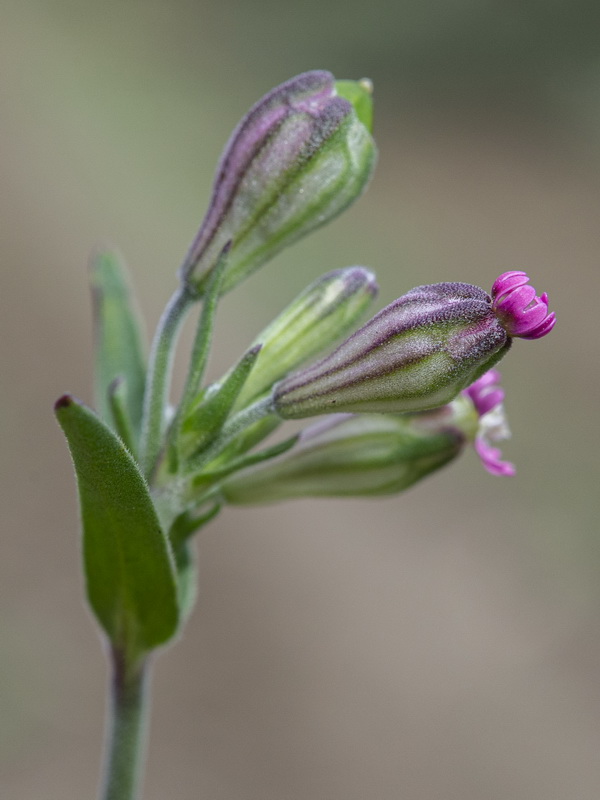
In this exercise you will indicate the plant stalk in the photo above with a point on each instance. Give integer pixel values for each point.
(159, 374)
(126, 729)
(242, 420)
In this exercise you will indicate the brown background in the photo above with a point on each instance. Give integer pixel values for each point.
(440, 645)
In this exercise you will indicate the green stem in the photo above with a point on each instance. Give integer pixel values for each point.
(159, 373)
(261, 408)
(126, 730)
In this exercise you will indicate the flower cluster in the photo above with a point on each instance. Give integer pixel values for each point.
(401, 396)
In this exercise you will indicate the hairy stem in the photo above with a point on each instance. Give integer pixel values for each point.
(126, 729)
(159, 374)
(242, 420)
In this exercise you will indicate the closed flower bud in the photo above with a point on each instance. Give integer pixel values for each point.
(296, 160)
(417, 353)
(320, 315)
(348, 455)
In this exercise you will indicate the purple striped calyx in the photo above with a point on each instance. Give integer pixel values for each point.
(296, 160)
(417, 353)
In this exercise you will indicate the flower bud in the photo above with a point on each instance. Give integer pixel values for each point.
(322, 313)
(375, 454)
(417, 353)
(420, 351)
(351, 455)
(296, 160)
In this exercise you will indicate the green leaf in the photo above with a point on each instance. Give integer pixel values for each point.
(129, 569)
(119, 350)
(187, 524)
(250, 437)
(204, 479)
(117, 397)
(203, 425)
(180, 532)
(187, 574)
(360, 94)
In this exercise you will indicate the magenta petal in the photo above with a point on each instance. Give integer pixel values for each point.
(518, 309)
(490, 377)
(508, 281)
(489, 400)
(517, 300)
(530, 320)
(542, 329)
(491, 459)
(485, 392)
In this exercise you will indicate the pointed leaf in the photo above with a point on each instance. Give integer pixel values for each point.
(207, 419)
(119, 349)
(117, 398)
(128, 563)
(205, 479)
(187, 524)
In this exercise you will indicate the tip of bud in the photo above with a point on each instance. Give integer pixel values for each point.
(519, 310)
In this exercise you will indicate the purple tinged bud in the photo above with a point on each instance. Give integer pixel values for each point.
(521, 312)
(416, 354)
(297, 159)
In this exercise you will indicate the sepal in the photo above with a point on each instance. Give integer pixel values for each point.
(118, 337)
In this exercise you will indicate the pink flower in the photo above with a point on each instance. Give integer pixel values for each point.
(518, 309)
(487, 396)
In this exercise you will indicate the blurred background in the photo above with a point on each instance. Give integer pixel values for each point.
(442, 644)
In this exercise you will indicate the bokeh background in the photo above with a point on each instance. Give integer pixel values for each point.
(439, 645)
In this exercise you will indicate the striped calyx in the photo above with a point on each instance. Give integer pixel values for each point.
(297, 159)
(417, 353)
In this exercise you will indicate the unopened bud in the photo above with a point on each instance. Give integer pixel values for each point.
(416, 354)
(352, 455)
(297, 159)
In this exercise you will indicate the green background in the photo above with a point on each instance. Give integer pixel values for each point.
(443, 644)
